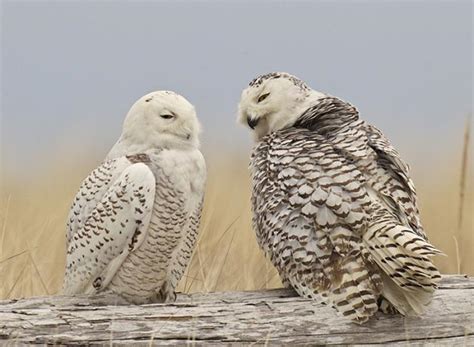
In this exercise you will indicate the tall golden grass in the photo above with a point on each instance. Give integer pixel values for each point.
(227, 257)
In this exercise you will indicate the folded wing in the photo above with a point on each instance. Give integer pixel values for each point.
(108, 220)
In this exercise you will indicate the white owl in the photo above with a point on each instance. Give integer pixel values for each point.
(134, 222)
(333, 203)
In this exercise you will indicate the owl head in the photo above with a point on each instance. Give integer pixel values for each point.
(162, 119)
(274, 101)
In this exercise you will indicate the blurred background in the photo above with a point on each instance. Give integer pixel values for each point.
(70, 70)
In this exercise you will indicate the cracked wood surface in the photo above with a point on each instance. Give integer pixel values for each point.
(273, 317)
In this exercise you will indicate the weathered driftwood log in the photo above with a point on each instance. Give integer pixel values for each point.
(275, 317)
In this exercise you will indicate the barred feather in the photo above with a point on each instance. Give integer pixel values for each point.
(336, 211)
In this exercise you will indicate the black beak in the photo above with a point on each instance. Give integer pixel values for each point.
(252, 122)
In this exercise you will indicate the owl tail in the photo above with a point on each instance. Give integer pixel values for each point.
(408, 274)
(350, 284)
(356, 293)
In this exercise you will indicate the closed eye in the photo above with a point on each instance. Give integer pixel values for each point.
(263, 97)
(166, 116)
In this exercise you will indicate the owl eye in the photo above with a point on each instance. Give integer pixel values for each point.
(263, 97)
(166, 116)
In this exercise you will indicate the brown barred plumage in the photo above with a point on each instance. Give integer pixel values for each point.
(336, 211)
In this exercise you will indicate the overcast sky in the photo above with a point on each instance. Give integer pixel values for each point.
(71, 70)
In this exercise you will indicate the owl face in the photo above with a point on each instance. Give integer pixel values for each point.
(272, 102)
(163, 119)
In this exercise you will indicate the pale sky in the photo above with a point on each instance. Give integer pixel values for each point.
(71, 70)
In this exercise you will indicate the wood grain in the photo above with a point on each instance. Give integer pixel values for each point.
(269, 317)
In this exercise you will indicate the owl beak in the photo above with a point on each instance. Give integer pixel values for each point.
(252, 122)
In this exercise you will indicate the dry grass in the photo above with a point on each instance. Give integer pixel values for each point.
(227, 257)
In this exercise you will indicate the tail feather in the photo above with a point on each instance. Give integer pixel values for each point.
(406, 302)
(356, 296)
(353, 289)
(409, 276)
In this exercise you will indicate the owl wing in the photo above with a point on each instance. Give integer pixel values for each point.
(109, 219)
(91, 192)
(398, 244)
(393, 182)
(311, 210)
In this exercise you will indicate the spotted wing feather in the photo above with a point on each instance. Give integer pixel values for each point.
(111, 224)
(91, 192)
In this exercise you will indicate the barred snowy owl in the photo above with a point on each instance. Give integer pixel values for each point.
(333, 203)
(133, 224)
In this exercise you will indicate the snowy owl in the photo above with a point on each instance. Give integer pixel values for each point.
(333, 204)
(134, 222)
